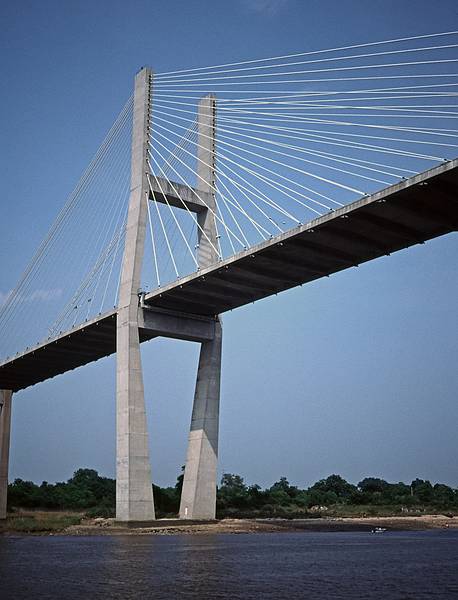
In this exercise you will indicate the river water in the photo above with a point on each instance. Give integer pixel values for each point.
(331, 565)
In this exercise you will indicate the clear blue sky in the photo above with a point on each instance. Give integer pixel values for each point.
(355, 374)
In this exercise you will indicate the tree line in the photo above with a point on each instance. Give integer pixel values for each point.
(87, 491)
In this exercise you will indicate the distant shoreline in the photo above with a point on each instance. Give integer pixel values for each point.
(100, 526)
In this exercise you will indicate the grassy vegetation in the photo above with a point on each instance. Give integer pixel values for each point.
(387, 510)
(40, 522)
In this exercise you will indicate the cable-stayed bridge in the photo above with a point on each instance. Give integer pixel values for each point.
(214, 188)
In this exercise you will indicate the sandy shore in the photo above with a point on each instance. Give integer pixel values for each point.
(237, 526)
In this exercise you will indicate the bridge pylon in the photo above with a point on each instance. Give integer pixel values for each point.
(134, 495)
(198, 497)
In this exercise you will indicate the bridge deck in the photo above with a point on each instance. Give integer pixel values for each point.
(411, 212)
(418, 209)
(82, 345)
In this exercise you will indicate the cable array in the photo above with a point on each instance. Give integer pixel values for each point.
(73, 276)
(300, 135)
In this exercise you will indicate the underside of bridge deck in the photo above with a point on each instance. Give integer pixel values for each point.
(70, 350)
(408, 213)
(94, 340)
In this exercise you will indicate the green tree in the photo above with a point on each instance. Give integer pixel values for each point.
(283, 485)
(444, 496)
(372, 484)
(232, 492)
(335, 484)
(422, 490)
(256, 497)
(24, 494)
(179, 483)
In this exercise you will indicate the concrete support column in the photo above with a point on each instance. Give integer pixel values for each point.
(5, 427)
(198, 497)
(134, 494)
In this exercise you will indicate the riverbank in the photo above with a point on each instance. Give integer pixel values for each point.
(77, 525)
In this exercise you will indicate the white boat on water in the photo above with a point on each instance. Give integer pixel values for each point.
(379, 530)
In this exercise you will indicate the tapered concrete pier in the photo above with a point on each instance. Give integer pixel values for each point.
(198, 497)
(134, 494)
(5, 428)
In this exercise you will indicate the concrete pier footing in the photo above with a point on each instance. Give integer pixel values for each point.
(5, 428)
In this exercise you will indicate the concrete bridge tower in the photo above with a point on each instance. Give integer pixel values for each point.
(198, 498)
(134, 496)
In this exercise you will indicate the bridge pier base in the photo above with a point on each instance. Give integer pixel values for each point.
(198, 496)
(134, 492)
(5, 428)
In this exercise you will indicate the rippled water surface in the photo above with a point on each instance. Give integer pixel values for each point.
(387, 566)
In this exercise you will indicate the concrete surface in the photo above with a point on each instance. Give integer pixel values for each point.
(5, 429)
(134, 494)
